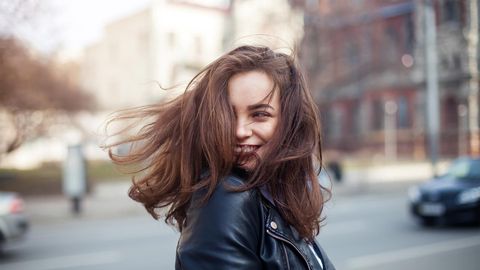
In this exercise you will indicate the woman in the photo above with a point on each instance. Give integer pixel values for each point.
(235, 160)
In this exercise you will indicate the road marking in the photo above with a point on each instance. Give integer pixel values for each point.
(411, 253)
(65, 262)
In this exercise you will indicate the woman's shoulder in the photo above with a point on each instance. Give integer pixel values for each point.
(224, 232)
(225, 211)
(225, 194)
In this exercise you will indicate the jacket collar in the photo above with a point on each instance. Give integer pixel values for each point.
(277, 226)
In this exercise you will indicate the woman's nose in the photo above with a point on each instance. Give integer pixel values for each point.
(243, 130)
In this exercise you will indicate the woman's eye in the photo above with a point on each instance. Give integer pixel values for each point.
(260, 114)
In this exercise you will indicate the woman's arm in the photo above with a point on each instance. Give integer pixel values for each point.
(222, 234)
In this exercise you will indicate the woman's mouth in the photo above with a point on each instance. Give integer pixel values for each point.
(245, 149)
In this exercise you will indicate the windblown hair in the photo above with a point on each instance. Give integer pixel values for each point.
(196, 132)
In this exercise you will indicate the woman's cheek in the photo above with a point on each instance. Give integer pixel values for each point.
(269, 130)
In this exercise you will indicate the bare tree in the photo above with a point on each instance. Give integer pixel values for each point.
(32, 95)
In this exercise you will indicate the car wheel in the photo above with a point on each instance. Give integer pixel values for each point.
(428, 222)
(2, 243)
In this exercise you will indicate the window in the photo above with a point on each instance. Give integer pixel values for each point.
(357, 118)
(378, 114)
(409, 34)
(450, 114)
(391, 44)
(457, 61)
(450, 11)
(367, 46)
(352, 52)
(403, 113)
(335, 122)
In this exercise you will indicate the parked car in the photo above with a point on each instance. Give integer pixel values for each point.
(450, 198)
(13, 222)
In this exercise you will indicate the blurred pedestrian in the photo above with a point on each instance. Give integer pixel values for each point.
(235, 160)
(336, 169)
(333, 161)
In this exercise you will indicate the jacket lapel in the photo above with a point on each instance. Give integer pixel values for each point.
(276, 225)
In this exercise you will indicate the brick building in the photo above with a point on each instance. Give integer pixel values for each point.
(364, 60)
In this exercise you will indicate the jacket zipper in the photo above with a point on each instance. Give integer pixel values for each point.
(286, 256)
(291, 244)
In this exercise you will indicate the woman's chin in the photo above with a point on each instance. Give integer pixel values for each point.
(249, 161)
(247, 166)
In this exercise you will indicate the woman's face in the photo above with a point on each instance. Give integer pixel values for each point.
(256, 111)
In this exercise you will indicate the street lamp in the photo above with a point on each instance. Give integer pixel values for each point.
(433, 99)
(462, 129)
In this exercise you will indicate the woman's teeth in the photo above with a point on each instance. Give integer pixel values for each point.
(246, 148)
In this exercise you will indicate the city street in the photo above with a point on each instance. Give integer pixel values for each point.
(368, 231)
(106, 102)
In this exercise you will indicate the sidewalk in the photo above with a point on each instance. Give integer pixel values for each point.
(111, 200)
(106, 201)
(385, 178)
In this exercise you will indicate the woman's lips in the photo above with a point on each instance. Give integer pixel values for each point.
(245, 149)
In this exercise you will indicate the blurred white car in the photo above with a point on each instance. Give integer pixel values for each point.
(13, 222)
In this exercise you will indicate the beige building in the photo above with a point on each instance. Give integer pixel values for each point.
(188, 36)
(269, 22)
(119, 67)
(162, 46)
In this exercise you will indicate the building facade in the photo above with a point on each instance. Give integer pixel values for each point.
(268, 22)
(151, 55)
(365, 62)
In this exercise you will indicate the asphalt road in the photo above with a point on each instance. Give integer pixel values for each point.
(376, 232)
(371, 231)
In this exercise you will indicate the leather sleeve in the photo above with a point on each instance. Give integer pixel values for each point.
(222, 234)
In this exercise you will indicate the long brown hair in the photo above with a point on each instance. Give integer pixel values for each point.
(195, 132)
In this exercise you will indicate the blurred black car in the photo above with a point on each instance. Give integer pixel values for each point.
(452, 198)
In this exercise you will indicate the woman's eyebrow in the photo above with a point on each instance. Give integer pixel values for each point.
(259, 106)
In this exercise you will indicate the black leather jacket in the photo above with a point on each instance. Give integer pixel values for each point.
(241, 230)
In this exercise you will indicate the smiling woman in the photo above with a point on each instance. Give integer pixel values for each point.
(235, 159)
